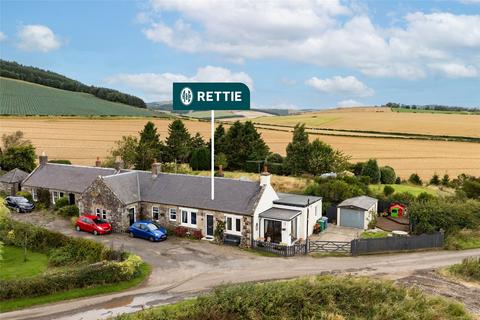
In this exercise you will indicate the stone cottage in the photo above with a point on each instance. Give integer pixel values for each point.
(10, 182)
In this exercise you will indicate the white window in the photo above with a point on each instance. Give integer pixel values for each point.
(155, 213)
(173, 214)
(34, 194)
(55, 196)
(233, 225)
(189, 217)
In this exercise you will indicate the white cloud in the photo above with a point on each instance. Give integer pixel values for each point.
(158, 86)
(324, 33)
(454, 70)
(37, 38)
(2, 36)
(349, 86)
(349, 103)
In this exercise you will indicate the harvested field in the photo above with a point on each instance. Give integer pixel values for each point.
(383, 119)
(82, 140)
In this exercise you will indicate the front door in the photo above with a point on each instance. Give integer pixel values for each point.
(71, 198)
(273, 231)
(131, 215)
(209, 225)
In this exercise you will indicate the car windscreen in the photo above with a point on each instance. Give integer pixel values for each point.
(21, 200)
(99, 221)
(152, 227)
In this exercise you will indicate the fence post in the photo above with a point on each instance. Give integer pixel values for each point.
(307, 246)
(353, 247)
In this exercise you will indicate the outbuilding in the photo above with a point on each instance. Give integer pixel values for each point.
(10, 182)
(357, 212)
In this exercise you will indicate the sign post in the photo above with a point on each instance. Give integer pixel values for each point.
(202, 96)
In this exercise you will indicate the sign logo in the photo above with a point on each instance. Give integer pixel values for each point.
(186, 96)
(201, 96)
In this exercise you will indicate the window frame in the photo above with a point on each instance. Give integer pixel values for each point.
(189, 223)
(174, 210)
(157, 209)
(235, 221)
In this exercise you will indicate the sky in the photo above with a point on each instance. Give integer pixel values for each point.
(292, 54)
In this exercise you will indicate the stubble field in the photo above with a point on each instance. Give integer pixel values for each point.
(82, 140)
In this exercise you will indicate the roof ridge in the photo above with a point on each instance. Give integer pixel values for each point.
(77, 166)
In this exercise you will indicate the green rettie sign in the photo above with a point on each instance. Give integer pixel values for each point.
(201, 96)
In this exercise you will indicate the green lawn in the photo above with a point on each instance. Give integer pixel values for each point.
(13, 266)
(400, 188)
(374, 235)
(10, 305)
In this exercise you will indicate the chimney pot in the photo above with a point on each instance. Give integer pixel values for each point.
(265, 177)
(220, 171)
(43, 159)
(118, 163)
(98, 163)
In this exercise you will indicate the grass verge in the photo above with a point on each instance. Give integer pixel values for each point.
(468, 269)
(323, 297)
(13, 264)
(463, 240)
(10, 305)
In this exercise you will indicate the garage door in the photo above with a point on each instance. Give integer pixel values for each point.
(351, 218)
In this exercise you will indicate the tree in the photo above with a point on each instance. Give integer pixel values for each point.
(435, 180)
(221, 160)
(357, 168)
(322, 158)
(244, 143)
(388, 190)
(296, 161)
(178, 142)
(415, 179)
(200, 159)
(198, 142)
(149, 147)
(220, 140)
(471, 188)
(14, 140)
(21, 157)
(371, 169)
(126, 149)
(387, 175)
(445, 180)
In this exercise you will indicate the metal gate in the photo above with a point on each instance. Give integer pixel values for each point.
(329, 246)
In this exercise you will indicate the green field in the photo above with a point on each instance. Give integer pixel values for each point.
(400, 188)
(221, 114)
(25, 98)
(13, 267)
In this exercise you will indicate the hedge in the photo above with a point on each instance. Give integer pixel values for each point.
(99, 273)
(90, 263)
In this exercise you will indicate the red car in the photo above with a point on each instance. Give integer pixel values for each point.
(93, 224)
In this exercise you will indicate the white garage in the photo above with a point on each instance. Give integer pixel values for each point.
(357, 212)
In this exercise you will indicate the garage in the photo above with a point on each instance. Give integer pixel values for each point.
(357, 212)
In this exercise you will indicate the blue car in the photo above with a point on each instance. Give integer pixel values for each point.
(147, 230)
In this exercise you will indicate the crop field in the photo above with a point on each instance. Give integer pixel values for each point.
(82, 140)
(25, 98)
(384, 120)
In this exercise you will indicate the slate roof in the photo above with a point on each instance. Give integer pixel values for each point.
(64, 177)
(296, 200)
(233, 196)
(361, 202)
(280, 214)
(13, 176)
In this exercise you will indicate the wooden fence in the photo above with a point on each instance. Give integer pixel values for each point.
(397, 243)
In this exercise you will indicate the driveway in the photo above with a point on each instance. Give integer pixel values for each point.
(337, 233)
(186, 268)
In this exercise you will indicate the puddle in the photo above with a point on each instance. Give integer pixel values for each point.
(118, 306)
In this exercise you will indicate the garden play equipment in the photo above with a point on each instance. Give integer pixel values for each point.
(396, 210)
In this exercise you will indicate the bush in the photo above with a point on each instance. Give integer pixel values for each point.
(435, 180)
(388, 190)
(61, 202)
(445, 180)
(398, 180)
(69, 211)
(26, 195)
(469, 269)
(181, 231)
(415, 179)
(60, 161)
(387, 175)
(371, 170)
(197, 234)
(43, 198)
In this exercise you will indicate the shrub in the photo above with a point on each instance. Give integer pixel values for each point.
(445, 180)
(60, 161)
(181, 231)
(388, 190)
(371, 170)
(61, 202)
(73, 221)
(197, 234)
(219, 229)
(435, 180)
(469, 269)
(387, 175)
(26, 195)
(43, 198)
(69, 211)
(415, 179)
(398, 180)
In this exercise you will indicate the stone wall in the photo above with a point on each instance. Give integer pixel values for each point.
(9, 188)
(98, 195)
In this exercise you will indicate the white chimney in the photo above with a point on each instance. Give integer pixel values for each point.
(156, 169)
(43, 159)
(265, 177)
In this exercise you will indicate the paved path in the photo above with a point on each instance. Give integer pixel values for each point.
(182, 269)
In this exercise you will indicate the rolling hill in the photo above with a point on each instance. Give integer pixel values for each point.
(26, 98)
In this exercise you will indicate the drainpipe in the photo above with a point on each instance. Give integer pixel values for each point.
(308, 217)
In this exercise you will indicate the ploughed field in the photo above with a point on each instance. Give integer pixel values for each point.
(82, 140)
